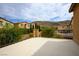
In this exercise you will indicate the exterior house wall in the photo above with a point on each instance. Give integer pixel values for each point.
(75, 23)
(61, 27)
(65, 31)
(22, 25)
(36, 33)
(3, 23)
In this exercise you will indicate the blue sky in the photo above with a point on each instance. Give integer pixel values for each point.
(17, 12)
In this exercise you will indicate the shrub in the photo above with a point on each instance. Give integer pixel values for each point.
(57, 36)
(47, 32)
(9, 36)
(8, 25)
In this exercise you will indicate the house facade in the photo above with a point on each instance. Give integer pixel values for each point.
(75, 21)
(22, 25)
(64, 31)
(5, 23)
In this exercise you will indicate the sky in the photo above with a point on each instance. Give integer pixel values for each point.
(29, 12)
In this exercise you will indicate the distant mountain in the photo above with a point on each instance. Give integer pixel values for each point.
(45, 23)
(66, 22)
(52, 24)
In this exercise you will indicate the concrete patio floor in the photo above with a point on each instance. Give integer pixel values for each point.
(41, 47)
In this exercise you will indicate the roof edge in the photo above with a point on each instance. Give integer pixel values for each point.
(5, 19)
(71, 7)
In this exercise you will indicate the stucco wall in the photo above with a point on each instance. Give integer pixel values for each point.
(75, 23)
(24, 25)
(62, 27)
(4, 23)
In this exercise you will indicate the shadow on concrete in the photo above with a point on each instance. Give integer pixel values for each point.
(60, 48)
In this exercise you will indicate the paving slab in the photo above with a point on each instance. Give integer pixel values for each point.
(41, 46)
(65, 48)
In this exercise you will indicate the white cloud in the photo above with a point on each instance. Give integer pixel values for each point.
(45, 12)
(37, 12)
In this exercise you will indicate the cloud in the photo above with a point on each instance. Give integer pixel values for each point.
(44, 12)
(36, 11)
(13, 9)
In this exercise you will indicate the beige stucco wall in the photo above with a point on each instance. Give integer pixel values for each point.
(22, 25)
(75, 23)
(62, 27)
(4, 23)
(36, 33)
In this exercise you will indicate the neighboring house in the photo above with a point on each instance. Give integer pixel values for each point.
(75, 21)
(5, 23)
(22, 25)
(65, 31)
